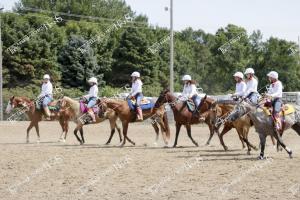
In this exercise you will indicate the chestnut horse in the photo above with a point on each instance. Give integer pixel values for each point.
(73, 107)
(183, 116)
(158, 115)
(26, 105)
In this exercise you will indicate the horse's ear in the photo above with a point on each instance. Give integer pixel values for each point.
(205, 96)
(12, 97)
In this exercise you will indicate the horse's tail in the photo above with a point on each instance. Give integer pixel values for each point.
(166, 124)
(296, 127)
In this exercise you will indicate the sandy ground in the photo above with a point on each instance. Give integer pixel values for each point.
(52, 170)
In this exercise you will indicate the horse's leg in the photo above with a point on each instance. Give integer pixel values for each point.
(178, 126)
(61, 122)
(280, 141)
(211, 131)
(262, 138)
(163, 132)
(156, 131)
(189, 132)
(125, 137)
(119, 131)
(227, 127)
(36, 125)
(242, 141)
(28, 130)
(81, 133)
(112, 124)
(66, 130)
(75, 133)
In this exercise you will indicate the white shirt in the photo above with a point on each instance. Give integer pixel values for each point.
(93, 92)
(275, 90)
(136, 87)
(251, 86)
(240, 89)
(189, 90)
(47, 89)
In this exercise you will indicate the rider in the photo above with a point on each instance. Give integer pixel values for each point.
(190, 90)
(240, 87)
(275, 93)
(46, 95)
(136, 92)
(92, 97)
(251, 85)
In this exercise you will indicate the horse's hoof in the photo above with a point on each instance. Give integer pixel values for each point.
(196, 144)
(174, 146)
(291, 154)
(248, 153)
(226, 148)
(107, 143)
(27, 141)
(260, 157)
(255, 148)
(207, 143)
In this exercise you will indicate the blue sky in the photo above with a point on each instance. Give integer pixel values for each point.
(276, 18)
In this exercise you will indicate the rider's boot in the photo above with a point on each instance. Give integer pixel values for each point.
(139, 114)
(47, 113)
(92, 114)
(277, 122)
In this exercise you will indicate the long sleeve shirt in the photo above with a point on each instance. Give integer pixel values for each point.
(275, 90)
(251, 86)
(240, 89)
(136, 87)
(189, 90)
(93, 92)
(47, 89)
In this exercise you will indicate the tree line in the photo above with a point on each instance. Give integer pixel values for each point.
(39, 37)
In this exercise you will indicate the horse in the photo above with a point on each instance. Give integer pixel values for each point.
(242, 125)
(35, 115)
(126, 115)
(264, 124)
(183, 116)
(73, 107)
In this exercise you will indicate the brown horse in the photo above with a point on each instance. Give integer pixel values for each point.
(26, 105)
(158, 115)
(242, 125)
(73, 107)
(183, 116)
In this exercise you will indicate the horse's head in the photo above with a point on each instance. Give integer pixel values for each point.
(16, 102)
(163, 98)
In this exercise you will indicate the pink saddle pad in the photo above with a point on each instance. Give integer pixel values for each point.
(84, 109)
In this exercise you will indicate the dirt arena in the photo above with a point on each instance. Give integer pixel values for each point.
(52, 170)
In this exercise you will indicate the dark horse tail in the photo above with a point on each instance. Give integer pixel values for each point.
(296, 127)
(166, 124)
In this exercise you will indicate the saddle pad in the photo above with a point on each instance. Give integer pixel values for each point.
(191, 106)
(287, 108)
(143, 101)
(143, 106)
(84, 109)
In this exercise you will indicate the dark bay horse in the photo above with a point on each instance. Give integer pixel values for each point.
(158, 115)
(183, 116)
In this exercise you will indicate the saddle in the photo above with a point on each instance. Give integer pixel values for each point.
(285, 110)
(145, 104)
(53, 105)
